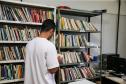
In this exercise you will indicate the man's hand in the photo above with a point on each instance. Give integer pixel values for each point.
(60, 58)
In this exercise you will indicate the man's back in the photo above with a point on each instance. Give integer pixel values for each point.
(40, 56)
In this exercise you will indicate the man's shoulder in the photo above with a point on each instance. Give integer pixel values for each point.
(50, 44)
(31, 42)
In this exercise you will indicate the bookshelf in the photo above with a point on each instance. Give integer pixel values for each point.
(11, 81)
(11, 61)
(19, 23)
(74, 36)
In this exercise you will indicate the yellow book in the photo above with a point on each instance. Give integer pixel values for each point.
(1, 58)
(62, 22)
(78, 42)
(62, 74)
(19, 71)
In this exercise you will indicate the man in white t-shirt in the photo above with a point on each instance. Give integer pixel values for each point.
(41, 61)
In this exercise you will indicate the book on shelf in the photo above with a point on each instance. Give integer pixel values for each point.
(12, 53)
(67, 40)
(18, 33)
(75, 57)
(76, 25)
(24, 14)
(10, 71)
(74, 73)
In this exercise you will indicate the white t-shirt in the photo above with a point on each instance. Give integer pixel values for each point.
(41, 55)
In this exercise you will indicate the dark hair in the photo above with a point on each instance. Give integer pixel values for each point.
(47, 25)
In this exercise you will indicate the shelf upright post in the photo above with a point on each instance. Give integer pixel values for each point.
(101, 50)
(89, 18)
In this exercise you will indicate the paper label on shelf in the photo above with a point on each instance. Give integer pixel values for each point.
(83, 81)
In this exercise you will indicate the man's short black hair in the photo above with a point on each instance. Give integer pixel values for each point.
(47, 25)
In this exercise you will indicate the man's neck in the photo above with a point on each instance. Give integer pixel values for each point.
(43, 35)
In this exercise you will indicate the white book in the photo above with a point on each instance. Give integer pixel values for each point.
(63, 61)
(70, 40)
(7, 32)
(79, 24)
(69, 58)
(85, 40)
(1, 13)
(14, 35)
(66, 58)
(28, 14)
(73, 24)
(69, 24)
(23, 35)
(86, 26)
(93, 27)
(77, 56)
(14, 15)
(74, 57)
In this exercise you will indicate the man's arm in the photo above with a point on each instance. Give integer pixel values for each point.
(51, 59)
(53, 70)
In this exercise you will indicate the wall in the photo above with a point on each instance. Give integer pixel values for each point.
(122, 32)
(110, 5)
(109, 19)
(122, 37)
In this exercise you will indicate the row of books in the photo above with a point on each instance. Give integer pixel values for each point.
(11, 71)
(17, 33)
(66, 40)
(77, 25)
(12, 53)
(74, 73)
(75, 57)
(24, 14)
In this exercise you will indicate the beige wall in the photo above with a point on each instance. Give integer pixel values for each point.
(109, 19)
